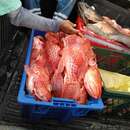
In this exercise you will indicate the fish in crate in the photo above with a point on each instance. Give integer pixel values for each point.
(63, 66)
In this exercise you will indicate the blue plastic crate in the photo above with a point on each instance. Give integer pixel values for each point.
(59, 108)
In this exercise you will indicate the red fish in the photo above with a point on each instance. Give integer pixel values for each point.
(53, 54)
(38, 55)
(38, 82)
(63, 66)
(31, 77)
(52, 37)
(93, 82)
(57, 84)
(73, 57)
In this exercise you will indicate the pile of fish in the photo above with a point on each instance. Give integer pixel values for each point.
(63, 66)
(106, 28)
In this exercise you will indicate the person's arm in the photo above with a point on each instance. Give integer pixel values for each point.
(23, 17)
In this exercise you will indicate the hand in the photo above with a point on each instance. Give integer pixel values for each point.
(69, 27)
